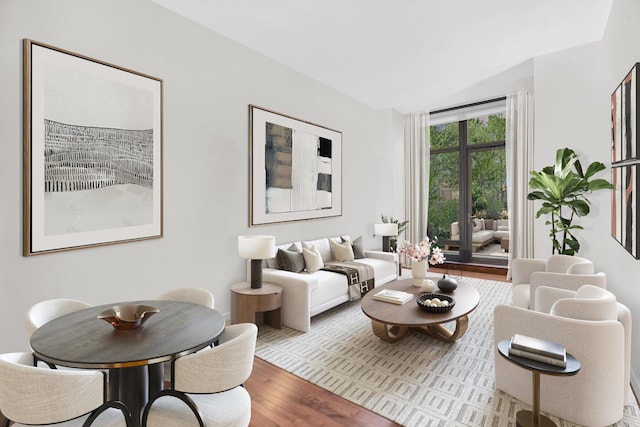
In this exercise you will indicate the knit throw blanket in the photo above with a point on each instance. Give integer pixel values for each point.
(360, 276)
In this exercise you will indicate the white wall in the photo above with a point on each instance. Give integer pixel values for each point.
(209, 82)
(572, 107)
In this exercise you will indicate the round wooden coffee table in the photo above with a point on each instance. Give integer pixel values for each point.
(391, 322)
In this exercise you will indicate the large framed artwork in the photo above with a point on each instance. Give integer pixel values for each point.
(295, 168)
(92, 152)
(625, 161)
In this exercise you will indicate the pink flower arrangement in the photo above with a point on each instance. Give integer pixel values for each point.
(427, 249)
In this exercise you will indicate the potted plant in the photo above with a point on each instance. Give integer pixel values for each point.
(563, 189)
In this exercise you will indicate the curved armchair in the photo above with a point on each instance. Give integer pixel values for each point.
(560, 271)
(47, 310)
(206, 386)
(194, 295)
(591, 325)
(40, 396)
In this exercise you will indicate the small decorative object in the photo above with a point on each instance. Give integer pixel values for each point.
(419, 272)
(422, 254)
(428, 286)
(127, 316)
(447, 284)
(256, 248)
(435, 303)
(386, 230)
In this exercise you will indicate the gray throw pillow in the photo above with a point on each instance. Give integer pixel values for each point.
(358, 249)
(290, 260)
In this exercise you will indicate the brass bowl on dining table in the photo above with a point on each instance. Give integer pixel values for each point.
(125, 317)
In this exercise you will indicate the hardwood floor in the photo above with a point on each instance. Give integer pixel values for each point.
(279, 398)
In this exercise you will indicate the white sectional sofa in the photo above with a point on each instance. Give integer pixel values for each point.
(308, 292)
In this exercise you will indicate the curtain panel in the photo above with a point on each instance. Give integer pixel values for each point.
(416, 142)
(519, 150)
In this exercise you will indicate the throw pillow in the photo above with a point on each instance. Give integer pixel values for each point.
(341, 251)
(290, 260)
(357, 246)
(312, 259)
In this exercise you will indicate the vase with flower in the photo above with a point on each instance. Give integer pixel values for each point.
(421, 255)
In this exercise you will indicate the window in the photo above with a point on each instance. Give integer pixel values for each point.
(467, 183)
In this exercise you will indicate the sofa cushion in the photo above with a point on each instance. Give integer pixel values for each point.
(356, 245)
(323, 247)
(312, 259)
(290, 260)
(273, 262)
(342, 251)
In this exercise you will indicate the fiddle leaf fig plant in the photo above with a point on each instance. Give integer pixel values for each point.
(563, 189)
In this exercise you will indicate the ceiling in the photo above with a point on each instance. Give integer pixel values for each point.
(401, 54)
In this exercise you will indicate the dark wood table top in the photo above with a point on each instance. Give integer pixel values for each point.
(81, 340)
(409, 314)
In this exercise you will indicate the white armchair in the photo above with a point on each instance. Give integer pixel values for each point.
(560, 271)
(596, 330)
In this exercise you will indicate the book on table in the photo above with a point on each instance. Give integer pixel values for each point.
(393, 296)
(538, 349)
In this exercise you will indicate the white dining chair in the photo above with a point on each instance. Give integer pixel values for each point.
(194, 295)
(40, 396)
(47, 310)
(207, 386)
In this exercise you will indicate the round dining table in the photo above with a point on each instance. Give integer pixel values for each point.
(133, 357)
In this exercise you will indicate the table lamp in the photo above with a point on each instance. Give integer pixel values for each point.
(256, 248)
(386, 230)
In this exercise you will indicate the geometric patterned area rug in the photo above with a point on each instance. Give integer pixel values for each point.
(417, 381)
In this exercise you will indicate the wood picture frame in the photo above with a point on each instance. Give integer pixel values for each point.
(625, 161)
(295, 169)
(92, 152)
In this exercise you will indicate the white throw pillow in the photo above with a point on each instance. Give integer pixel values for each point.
(341, 251)
(312, 259)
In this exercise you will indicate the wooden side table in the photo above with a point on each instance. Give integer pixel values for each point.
(259, 306)
(534, 418)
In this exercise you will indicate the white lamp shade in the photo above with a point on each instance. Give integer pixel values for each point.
(386, 229)
(257, 247)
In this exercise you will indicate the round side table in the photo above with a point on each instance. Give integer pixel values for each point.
(259, 306)
(533, 418)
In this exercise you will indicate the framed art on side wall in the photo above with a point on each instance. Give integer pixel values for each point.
(92, 152)
(625, 161)
(295, 168)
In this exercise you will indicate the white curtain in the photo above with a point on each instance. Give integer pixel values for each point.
(519, 150)
(416, 142)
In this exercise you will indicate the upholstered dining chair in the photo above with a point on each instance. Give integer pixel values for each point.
(194, 295)
(207, 386)
(595, 329)
(47, 310)
(560, 271)
(39, 396)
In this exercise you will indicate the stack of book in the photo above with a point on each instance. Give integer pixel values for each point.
(393, 296)
(539, 350)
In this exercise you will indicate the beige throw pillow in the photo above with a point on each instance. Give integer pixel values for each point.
(341, 251)
(312, 259)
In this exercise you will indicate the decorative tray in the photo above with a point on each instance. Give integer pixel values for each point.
(435, 303)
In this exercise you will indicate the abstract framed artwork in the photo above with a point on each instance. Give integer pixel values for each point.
(92, 152)
(295, 169)
(625, 161)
